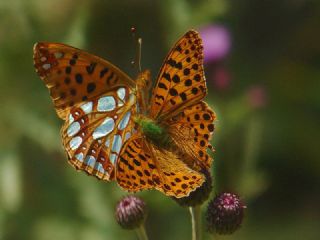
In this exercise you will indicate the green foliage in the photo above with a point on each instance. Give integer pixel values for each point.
(268, 154)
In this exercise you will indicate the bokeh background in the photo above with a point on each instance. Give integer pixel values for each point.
(262, 66)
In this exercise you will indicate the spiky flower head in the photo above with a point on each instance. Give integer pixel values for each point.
(198, 196)
(225, 213)
(130, 212)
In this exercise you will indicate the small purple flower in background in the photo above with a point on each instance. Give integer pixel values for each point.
(221, 78)
(257, 97)
(216, 41)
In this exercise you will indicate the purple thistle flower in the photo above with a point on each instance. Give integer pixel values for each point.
(130, 212)
(225, 213)
(216, 41)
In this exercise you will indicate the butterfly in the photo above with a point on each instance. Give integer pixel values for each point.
(114, 130)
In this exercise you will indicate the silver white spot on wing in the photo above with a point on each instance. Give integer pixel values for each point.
(43, 59)
(87, 107)
(71, 119)
(90, 160)
(73, 129)
(98, 166)
(117, 143)
(75, 142)
(46, 66)
(79, 157)
(121, 92)
(124, 121)
(104, 129)
(127, 136)
(113, 158)
(106, 104)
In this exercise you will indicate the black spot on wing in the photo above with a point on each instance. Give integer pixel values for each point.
(91, 67)
(91, 87)
(103, 72)
(162, 85)
(79, 78)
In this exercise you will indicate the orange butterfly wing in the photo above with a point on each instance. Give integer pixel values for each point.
(95, 99)
(73, 75)
(176, 100)
(181, 81)
(142, 165)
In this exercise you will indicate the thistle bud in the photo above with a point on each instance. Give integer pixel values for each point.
(130, 212)
(225, 213)
(198, 196)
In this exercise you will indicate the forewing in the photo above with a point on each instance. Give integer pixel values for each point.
(142, 165)
(95, 131)
(181, 81)
(73, 75)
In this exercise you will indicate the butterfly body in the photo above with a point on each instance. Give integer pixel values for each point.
(114, 130)
(153, 131)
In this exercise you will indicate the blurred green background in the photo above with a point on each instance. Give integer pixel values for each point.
(264, 87)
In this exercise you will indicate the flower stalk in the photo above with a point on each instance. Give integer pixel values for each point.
(131, 214)
(195, 213)
(141, 232)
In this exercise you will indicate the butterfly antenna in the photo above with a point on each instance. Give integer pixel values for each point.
(137, 60)
(139, 53)
(133, 34)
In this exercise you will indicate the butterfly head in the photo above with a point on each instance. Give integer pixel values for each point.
(144, 80)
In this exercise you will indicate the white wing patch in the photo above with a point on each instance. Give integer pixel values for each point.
(73, 129)
(117, 143)
(87, 107)
(75, 142)
(96, 131)
(104, 129)
(121, 92)
(106, 104)
(124, 121)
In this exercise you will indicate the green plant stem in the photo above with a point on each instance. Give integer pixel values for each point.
(195, 213)
(141, 232)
